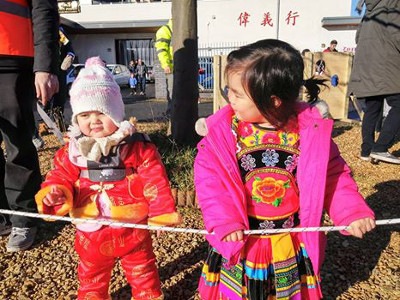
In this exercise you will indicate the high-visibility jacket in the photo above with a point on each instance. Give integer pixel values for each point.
(164, 45)
(16, 33)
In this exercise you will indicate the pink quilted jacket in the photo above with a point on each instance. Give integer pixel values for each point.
(323, 177)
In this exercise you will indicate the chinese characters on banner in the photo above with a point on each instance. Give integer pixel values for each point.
(267, 19)
(243, 19)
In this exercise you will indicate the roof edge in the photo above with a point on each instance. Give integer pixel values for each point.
(112, 24)
(340, 21)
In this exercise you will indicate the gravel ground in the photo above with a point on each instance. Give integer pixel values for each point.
(353, 269)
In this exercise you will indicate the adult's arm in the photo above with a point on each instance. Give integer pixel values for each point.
(45, 21)
(162, 45)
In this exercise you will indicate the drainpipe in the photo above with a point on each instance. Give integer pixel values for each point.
(278, 18)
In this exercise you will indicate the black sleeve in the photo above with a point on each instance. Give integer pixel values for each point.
(65, 49)
(45, 21)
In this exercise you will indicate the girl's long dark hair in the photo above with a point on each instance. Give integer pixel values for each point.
(313, 87)
(270, 68)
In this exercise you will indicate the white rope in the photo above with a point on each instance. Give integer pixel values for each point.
(184, 230)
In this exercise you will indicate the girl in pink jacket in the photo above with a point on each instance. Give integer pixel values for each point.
(268, 161)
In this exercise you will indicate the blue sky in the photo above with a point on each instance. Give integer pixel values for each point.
(353, 9)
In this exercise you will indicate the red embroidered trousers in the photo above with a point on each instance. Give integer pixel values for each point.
(98, 252)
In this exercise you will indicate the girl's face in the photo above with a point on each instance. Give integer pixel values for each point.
(95, 124)
(241, 103)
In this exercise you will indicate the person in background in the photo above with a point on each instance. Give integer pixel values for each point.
(268, 161)
(57, 104)
(132, 66)
(375, 77)
(107, 171)
(303, 53)
(132, 84)
(320, 67)
(141, 72)
(165, 55)
(332, 47)
(67, 56)
(28, 62)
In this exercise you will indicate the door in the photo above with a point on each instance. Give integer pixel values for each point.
(127, 50)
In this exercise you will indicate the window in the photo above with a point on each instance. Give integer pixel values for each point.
(117, 70)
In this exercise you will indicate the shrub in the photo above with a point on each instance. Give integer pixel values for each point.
(178, 160)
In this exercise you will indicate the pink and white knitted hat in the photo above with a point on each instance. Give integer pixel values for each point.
(95, 89)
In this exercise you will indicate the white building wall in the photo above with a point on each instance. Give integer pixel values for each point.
(107, 13)
(103, 45)
(218, 22)
(308, 31)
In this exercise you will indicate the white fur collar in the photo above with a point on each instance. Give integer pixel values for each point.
(93, 148)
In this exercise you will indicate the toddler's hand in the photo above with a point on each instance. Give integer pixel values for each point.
(235, 236)
(359, 227)
(55, 197)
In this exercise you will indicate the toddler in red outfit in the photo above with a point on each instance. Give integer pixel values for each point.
(108, 171)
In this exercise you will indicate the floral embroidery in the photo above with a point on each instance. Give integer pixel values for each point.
(250, 135)
(233, 129)
(270, 158)
(101, 187)
(291, 162)
(269, 190)
(288, 139)
(267, 225)
(150, 191)
(289, 223)
(276, 149)
(238, 146)
(245, 129)
(248, 162)
(256, 138)
(270, 138)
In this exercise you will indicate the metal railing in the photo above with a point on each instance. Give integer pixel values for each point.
(206, 53)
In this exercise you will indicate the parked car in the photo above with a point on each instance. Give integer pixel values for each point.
(120, 73)
(72, 72)
(150, 74)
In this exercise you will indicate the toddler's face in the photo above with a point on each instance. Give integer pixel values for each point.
(241, 103)
(95, 124)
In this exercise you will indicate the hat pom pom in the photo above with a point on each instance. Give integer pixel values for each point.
(94, 61)
(201, 127)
